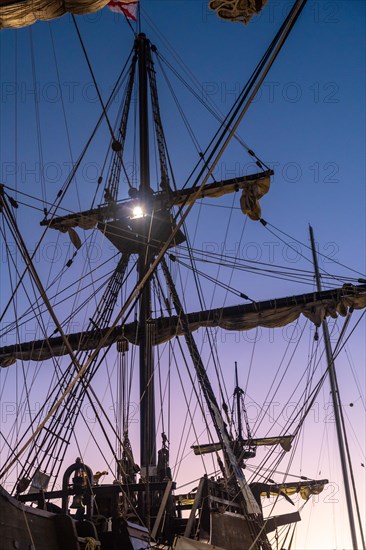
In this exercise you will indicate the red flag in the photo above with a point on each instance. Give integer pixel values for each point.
(127, 8)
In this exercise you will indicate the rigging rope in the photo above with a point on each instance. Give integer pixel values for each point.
(265, 223)
(63, 105)
(37, 113)
(283, 272)
(104, 111)
(212, 110)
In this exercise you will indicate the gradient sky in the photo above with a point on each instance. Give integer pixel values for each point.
(308, 123)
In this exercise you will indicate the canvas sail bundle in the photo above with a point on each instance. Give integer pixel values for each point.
(237, 10)
(249, 201)
(305, 488)
(21, 13)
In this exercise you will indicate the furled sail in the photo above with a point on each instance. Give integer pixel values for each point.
(269, 314)
(304, 488)
(21, 13)
(237, 10)
(253, 187)
(284, 440)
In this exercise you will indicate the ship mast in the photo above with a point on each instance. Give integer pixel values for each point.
(147, 398)
(336, 400)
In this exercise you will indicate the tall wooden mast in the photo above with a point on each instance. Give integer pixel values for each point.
(147, 398)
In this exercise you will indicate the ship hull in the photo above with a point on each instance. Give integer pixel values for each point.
(28, 528)
(25, 527)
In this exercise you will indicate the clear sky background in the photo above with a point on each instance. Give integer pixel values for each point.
(307, 123)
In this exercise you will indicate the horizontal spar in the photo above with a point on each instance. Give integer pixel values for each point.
(253, 187)
(269, 314)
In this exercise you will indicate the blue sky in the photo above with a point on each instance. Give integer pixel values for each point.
(308, 123)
